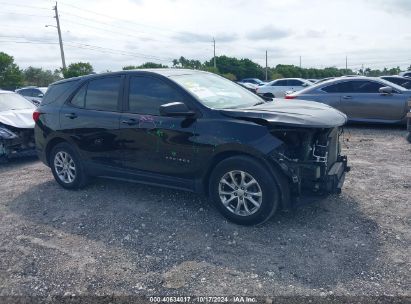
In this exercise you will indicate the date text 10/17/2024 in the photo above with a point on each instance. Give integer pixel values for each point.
(202, 299)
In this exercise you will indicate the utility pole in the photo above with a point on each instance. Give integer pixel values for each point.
(266, 65)
(63, 60)
(300, 62)
(346, 65)
(215, 63)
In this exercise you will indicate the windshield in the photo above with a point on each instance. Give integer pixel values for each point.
(12, 101)
(217, 92)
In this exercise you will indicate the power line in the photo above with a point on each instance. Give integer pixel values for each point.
(24, 6)
(23, 14)
(125, 21)
(27, 42)
(88, 47)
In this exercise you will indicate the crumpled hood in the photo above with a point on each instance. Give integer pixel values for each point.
(18, 118)
(300, 113)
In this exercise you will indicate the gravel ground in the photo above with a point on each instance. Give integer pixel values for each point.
(130, 239)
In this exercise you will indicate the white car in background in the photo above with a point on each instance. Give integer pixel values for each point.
(16, 125)
(280, 87)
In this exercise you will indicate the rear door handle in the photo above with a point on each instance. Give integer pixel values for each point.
(347, 97)
(71, 115)
(129, 122)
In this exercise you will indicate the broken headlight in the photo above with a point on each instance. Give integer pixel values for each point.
(6, 134)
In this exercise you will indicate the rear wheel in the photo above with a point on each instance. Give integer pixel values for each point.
(244, 191)
(269, 95)
(66, 166)
(409, 137)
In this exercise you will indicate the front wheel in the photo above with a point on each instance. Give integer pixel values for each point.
(66, 166)
(244, 191)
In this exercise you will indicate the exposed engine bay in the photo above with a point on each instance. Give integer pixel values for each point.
(311, 158)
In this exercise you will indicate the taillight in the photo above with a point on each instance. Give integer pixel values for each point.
(290, 96)
(36, 115)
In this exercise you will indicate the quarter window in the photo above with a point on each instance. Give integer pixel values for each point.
(80, 98)
(147, 94)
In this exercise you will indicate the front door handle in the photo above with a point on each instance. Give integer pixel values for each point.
(71, 115)
(129, 122)
(347, 97)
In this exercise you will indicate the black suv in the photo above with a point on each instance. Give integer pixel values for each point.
(195, 131)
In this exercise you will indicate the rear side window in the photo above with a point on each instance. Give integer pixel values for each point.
(280, 83)
(58, 92)
(25, 92)
(147, 94)
(294, 82)
(342, 87)
(359, 86)
(102, 94)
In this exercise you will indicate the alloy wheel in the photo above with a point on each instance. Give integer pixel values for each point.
(65, 167)
(240, 193)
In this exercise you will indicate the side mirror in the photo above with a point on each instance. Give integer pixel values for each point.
(267, 98)
(305, 85)
(176, 109)
(41, 95)
(385, 90)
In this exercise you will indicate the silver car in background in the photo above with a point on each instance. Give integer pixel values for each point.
(362, 99)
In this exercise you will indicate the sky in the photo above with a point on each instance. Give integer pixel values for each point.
(113, 34)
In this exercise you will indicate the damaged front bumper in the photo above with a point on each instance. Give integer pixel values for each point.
(319, 168)
(15, 141)
(312, 177)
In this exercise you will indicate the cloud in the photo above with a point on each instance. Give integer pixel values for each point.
(393, 6)
(314, 34)
(268, 33)
(189, 37)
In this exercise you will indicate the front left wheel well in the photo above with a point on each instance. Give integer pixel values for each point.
(277, 174)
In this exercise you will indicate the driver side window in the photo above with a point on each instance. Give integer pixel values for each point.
(147, 94)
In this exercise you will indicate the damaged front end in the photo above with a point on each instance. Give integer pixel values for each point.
(15, 141)
(311, 158)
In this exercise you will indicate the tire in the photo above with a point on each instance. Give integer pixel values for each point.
(64, 158)
(409, 137)
(227, 195)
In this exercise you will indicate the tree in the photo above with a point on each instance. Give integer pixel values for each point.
(78, 69)
(240, 68)
(187, 63)
(147, 65)
(11, 77)
(40, 77)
